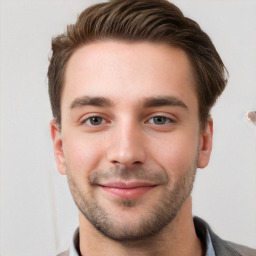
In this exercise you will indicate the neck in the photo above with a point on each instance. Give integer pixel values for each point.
(178, 238)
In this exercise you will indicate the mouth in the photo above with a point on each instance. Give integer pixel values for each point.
(127, 190)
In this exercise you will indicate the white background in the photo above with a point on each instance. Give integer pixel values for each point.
(37, 215)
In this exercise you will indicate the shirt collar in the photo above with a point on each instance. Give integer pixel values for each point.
(206, 239)
(204, 235)
(74, 248)
(209, 247)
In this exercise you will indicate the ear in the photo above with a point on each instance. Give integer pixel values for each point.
(205, 145)
(57, 146)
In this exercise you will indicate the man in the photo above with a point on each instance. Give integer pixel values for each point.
(131, 86)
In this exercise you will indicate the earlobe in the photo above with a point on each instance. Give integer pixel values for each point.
(205, 145)
(57, 146)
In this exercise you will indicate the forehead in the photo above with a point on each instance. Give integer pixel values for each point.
(126, 72)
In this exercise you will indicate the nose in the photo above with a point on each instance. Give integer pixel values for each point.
(127, 147)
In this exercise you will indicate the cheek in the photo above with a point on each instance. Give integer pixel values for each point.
(176, 153)
(82, 154)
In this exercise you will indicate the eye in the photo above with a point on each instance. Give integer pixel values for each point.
(160, 120)
(94, 121)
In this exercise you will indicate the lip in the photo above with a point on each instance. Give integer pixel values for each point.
(127, 190)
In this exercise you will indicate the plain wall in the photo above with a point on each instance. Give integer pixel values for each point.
(37, 214)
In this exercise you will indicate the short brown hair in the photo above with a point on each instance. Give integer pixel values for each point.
(156, 21)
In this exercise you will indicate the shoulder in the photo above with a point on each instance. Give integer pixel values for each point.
(222, 247)
(240, 249)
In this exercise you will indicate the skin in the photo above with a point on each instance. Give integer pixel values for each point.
(131, 137)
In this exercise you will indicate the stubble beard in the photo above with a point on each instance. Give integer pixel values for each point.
(153, 220)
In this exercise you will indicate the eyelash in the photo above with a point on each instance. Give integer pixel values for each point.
(151, 120)
(90, 119)
(167, 120)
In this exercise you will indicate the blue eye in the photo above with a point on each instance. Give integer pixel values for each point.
(159, 120)
(94, 121)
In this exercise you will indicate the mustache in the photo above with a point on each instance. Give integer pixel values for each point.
(129, 174)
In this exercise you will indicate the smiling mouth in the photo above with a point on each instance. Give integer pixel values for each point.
(127, 190)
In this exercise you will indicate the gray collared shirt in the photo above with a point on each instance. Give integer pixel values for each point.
(75, 245)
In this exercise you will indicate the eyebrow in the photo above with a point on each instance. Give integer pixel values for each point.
(164, 101)
(158, 101)
(91, 101)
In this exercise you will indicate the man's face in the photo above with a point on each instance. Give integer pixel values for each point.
(130, 139)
